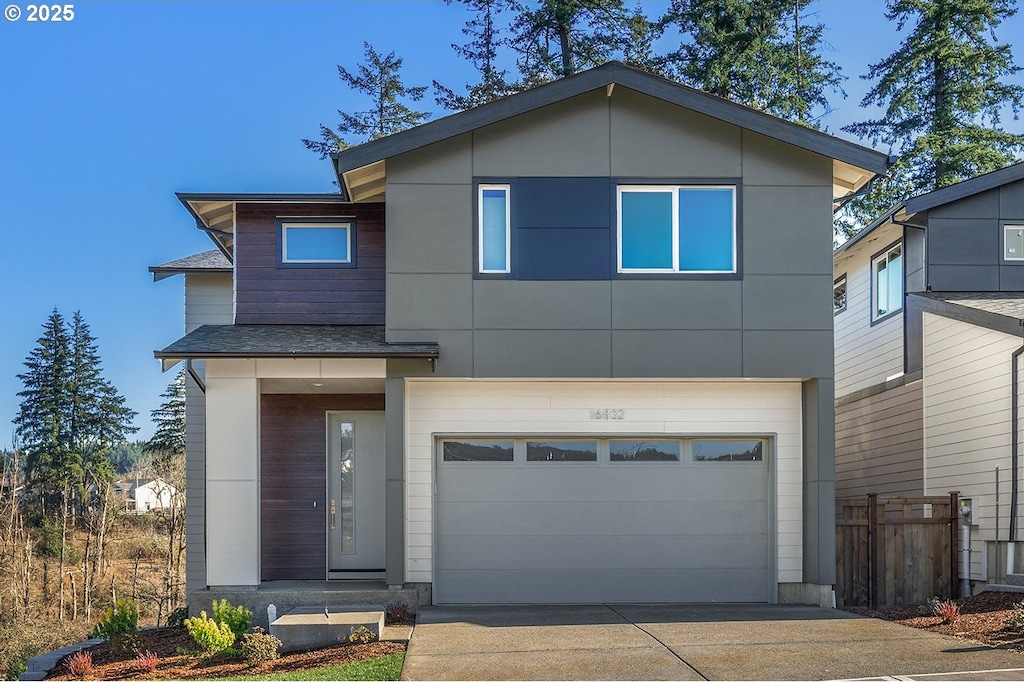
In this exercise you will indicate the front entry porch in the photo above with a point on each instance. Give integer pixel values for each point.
(286, 595)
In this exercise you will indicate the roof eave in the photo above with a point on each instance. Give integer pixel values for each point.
(966, 188)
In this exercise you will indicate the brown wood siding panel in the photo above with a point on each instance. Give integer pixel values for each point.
(293, 475)
(879, 444)
(269, 294)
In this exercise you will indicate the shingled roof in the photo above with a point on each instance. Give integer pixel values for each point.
(207, 261)
(1002, 311)
(295, 340)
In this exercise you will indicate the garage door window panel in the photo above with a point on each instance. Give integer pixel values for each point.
(466, 450)
(721, 450)
(561, 451)
(644, 450)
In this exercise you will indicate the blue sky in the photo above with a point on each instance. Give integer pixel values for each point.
(104, 117)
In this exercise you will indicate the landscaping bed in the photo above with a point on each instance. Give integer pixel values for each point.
(178, 659)
(982, 619)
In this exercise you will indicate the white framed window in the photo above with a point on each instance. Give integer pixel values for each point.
(839, 295)
(310, 242)
(887, 282)
(676, 228)
(494, 232)
(1013, 242)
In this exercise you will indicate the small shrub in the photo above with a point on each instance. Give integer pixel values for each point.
(259, 646)
(176, 618)
(80, 664)
(929, 607)
(398, 614)
(146, 662)
(238, 618)
(126, 643)
(209, 634)
(948, 611)
(120, 619)
(1016, 618)
(361, 635)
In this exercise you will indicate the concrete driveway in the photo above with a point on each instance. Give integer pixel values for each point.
(687, 642)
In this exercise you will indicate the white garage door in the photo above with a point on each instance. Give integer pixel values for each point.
(585, 520)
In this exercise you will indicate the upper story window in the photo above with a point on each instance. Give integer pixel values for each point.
(307, 243)
(1013, 242)
(839, 295)
(887, 276)
(674, 228)
(495, 234)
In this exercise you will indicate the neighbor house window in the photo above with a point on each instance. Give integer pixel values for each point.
(316, 242)
(839, 294)
(887, 273)
(672, 228)
(1013, 242)
(494, 233)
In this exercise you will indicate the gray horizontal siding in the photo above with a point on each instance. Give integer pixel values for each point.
(879, 443)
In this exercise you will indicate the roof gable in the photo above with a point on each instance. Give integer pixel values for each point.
(966, 188)
(353, 165)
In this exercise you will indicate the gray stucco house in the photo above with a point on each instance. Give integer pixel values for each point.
(929, 311)
(571, 346)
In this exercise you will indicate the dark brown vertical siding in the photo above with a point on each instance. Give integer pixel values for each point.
(880, 443)
(293, 476)
(269, 294)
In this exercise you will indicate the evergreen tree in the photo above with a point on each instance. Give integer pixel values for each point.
(942, 90)
(482, 52)
(379, 78)
(169, 438)
(761, 53)
(557, 38)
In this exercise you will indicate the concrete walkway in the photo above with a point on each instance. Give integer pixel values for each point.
(687, 642)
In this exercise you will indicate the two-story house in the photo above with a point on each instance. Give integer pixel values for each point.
(929, 316)
(571, 346)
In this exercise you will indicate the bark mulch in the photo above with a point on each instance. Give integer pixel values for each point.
(982, 619)
(113, 663)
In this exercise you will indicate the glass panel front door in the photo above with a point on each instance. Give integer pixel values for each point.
(355, 491)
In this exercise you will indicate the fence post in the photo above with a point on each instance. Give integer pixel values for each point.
(954, 544)
(873, 551)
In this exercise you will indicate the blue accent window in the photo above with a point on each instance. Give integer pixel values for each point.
(495, 235)
(689, 229)
(316, 243)
(888, 285)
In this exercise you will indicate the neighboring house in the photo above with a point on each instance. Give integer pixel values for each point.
(929, 310)
(571, 346)
(142, 496)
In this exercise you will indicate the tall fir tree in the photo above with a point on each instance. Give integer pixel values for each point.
(69, 414)
(766, 54)
(481, 50)
(169, 439)
(557, 38)
(380, 79)
(943, 91)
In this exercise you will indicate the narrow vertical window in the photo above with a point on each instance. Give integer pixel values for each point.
(347, 510)
(494, 235)
(887, 268)
(839, 295)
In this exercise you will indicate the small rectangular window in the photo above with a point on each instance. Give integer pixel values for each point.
(644, 450)
(839, 295)
(561, 451)
(671, 228)
(494, 228)
(477, 450)
(316, 243)
(887, 270)
(727, 450)
(1013, 242)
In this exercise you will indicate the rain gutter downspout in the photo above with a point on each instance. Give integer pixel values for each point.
(1015, 435)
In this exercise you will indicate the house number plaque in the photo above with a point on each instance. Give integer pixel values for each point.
(608, 415)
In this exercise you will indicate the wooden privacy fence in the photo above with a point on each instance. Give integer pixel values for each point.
(896, 550)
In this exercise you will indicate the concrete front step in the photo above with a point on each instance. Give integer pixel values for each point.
(1003, 587)
(1014, 579)
(308, 627)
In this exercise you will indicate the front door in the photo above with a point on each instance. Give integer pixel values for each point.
(355, 495)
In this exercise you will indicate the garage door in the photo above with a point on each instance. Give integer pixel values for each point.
(544, 520)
